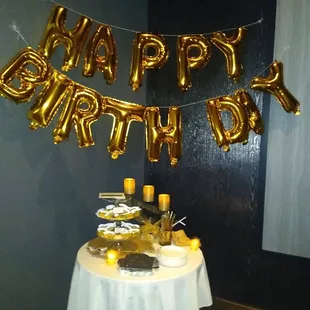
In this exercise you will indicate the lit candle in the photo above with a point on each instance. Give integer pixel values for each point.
(195, 244)
(129, 186)
(112, 257)
(148, 193)
(163, 202)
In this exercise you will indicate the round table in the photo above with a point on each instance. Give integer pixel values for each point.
(98, 286)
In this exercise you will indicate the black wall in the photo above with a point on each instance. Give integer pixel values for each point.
(222, 194)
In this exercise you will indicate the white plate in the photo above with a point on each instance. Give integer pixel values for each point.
(172, 256)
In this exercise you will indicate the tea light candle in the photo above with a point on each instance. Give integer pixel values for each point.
(163, 202)
(129, 186)
(195, 244)
(148, 193)
(112, 257)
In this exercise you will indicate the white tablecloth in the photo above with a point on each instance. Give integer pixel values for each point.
(98, 286)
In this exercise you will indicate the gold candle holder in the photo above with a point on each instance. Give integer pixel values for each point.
(195, 244)
(112, 256)
(163, 202)
(129, 186)
(148, 193)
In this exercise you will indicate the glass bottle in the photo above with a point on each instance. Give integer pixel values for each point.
(165, 234)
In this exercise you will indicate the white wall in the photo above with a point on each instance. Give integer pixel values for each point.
(287, 192)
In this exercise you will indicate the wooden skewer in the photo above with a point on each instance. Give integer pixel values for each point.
(180, 221)
(173, 219)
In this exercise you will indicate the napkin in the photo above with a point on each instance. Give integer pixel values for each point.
(180, 238)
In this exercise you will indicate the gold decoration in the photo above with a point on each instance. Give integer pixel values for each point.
(254, 116)
(82, 118)
(245, 116)
(16, 69)
(141, 61)
(185, 63)
(240, 130)
(149, 232)
(195, 244)
(180, 238)
(99, 245)
(55, 34)
(156, 134)
(107, 64)
(123, 113)
(274, 84)
(55, 90)
(228, 46)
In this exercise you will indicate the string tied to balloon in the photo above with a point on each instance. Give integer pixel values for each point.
(16, 29)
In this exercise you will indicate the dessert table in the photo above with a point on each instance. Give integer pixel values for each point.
(95, 285)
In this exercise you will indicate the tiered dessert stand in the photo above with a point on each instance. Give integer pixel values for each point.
(118, 231)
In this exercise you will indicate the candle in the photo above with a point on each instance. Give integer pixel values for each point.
(163, 202)
(112, 257)
(129, 186)
(195, 244)
(148, 193)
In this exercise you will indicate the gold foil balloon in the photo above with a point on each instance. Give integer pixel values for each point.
(274, 84)
(49, 100)
(141, 61)
(156, 134)
(28, 80)
(240, 129)
(185, 63)
(106, 63)
(255, 118)
(228, 46)
(123, 113)
(73, 112)
(55, 34)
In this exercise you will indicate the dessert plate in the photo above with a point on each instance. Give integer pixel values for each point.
(172, 256)
(118, 231)
(120, 213)
(137, 265)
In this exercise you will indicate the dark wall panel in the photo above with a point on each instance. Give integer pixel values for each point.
(222, 193)
(49, 193)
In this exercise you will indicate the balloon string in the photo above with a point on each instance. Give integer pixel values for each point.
(259, 21)
(246, 85)
(204, 100)
(16, 29)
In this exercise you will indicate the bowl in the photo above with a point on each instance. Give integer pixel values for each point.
(172, 256)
